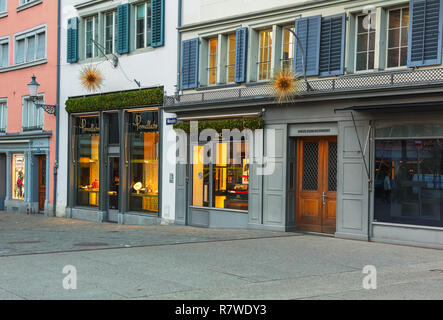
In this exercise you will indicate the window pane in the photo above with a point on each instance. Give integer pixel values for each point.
(30, 50)
(200, 178)
(362, 24)
(148, 26)
(20, 54)
(371, 60)
(371, 41)
(41, 46)
(5, 55)
(87, 158)
(362, 42)
(405, 17)
(231, 176)
(394, 38)
(109, 32)
(393, 56)
(144, 155)
(18, 176)
(409, 182)
(404, 37)
(362, 59)
(89, 37)
(140, 27)
(394, 19)
(404, 56)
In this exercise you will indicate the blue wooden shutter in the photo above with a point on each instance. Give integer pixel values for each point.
(332, 45)
(72, 41)
(241, 54)
(157, 23)
(308, 30)
(425, 25)
(123, 28)
(189, 69)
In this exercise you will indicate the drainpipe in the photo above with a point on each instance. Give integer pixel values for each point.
(179, 40)
(57, 114)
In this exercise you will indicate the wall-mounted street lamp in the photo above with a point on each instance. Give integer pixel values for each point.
(303, 57)
(33, 92)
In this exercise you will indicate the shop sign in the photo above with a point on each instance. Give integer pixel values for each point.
(145, 121)
(89, 125)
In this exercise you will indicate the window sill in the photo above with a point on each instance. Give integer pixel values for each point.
(141, 50)
(28, 5)
(3, 14)
(33, 129)
(24, 65)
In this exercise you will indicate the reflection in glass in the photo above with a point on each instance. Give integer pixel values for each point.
(200, 178)
(398, 37)
(144, 156)
(409, 181)
(87, 158)
(212, 67)
(231, 58)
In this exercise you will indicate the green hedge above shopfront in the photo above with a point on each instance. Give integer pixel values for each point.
(112, 101)
(219, 125)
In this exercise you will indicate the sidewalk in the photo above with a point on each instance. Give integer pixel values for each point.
(28, 234)
(190, 263)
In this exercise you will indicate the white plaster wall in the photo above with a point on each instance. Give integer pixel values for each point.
(156, 67)
(195, 11)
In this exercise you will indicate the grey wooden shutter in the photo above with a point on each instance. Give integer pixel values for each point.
(332, 45)
(123, 28)
(425, 25)
(241, 48)
(72, 41)
(189, 68)
(308, 31)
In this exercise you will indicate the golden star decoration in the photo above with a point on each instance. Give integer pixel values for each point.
(91, 78)
(285, 85)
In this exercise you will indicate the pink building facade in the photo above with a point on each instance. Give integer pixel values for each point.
(28, 46)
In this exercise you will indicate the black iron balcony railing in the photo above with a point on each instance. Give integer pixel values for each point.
(347, 83)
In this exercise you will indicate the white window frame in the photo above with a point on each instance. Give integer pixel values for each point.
(291, 48)
(3, 115)
(228, 51)
(33, 126)
(387, 39)
(367, 47)
(114, 25)
(34, 32)
(4, 41)
(95, 23)
(209, 68)
(147, 39)
(269, 46)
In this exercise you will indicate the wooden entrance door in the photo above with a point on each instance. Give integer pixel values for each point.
(317, 184)
(41, 182)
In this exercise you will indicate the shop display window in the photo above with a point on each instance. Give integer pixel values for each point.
(409, 181)
(18, 176)
(87, 158)
(224, 183)
(144, 162)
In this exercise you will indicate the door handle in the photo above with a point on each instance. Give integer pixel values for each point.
(324, 197)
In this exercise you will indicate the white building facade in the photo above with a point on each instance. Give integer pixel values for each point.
(113, 150)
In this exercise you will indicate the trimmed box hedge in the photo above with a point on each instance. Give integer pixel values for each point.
(219, 125)
(112, 101)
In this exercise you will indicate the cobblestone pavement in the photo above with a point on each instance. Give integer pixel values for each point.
(26, 234)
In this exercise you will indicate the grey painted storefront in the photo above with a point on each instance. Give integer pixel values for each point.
(271, 201)
(31, 145)
(102, 213)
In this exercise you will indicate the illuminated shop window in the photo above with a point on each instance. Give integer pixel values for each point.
(87, 159)
(18, 176)
(225, 183)
(144, 156)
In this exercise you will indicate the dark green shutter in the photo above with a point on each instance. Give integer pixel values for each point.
(308, 31)
(189, 69)
(241, 48)
(157, 23)
(72, 41)
(123, 28)
(425, 26)
(332, 45)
